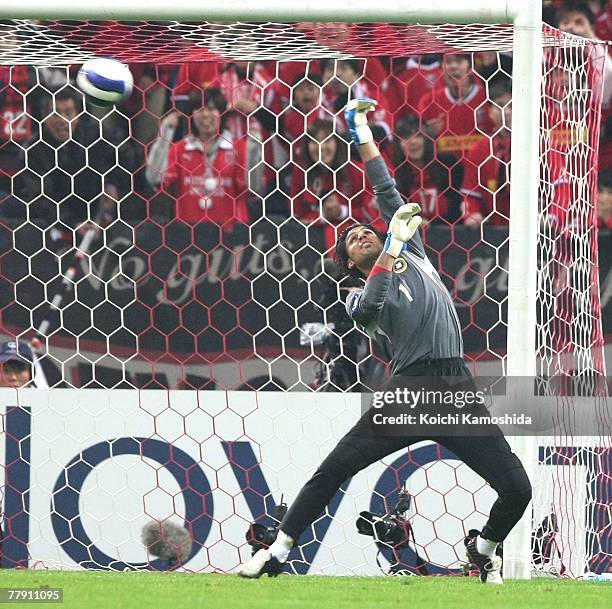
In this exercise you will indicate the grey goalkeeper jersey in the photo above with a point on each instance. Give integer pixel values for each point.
(411, 307)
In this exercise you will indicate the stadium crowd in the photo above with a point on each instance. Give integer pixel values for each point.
(229, 142)
(222, 144)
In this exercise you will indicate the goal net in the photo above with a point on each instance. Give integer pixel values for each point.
(135, 258)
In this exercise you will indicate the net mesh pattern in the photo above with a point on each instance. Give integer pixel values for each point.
(133, 258)
(68, 42)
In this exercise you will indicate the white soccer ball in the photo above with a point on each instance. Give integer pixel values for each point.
(105, 81)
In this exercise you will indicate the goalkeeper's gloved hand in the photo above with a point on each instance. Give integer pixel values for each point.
(356, 117)
(403, 225)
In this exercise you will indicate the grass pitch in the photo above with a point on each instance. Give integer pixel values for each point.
(95, 590)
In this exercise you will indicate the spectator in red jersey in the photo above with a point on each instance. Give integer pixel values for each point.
(604, 201)
(287, 119)
(576, 17)
(420, 177)
(290, 117)
(242, 84)
(486, 184)
(289, 72)
(349, 78)
(453, 111)
(568, 147)
(491, 64)
(325, 168)
(206, 170)
(294, 111)
(603, 22)
(15, 106)
(413, 77)
(15, 110)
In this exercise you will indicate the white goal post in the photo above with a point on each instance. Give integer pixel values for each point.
(527, 53)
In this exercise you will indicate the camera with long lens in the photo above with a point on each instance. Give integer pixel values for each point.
(261, 536)
(391, 528)
(393, 532)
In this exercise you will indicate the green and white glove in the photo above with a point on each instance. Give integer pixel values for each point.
(403, 225)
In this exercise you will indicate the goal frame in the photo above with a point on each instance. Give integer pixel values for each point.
(526, 16)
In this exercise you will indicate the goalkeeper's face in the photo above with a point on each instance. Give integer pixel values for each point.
(363, 247)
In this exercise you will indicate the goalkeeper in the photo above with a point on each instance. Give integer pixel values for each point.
(405, 299)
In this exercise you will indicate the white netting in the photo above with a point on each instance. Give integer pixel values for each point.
(128, 261)
(67, 42)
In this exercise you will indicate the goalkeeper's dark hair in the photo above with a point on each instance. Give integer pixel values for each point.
(342, 258)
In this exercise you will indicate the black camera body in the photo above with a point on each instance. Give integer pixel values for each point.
(391, 528)
(393, 532)
(261, 536)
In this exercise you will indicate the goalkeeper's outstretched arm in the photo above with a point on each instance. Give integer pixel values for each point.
(388, 198)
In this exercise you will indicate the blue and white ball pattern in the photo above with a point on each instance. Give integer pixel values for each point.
(105, 81)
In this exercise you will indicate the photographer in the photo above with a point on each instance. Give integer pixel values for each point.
(16, 363)
(343, 345)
